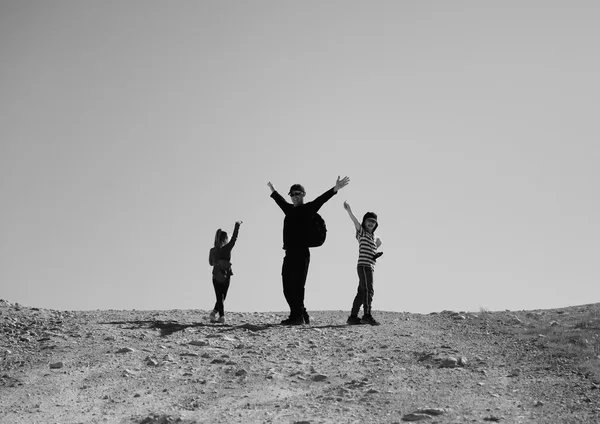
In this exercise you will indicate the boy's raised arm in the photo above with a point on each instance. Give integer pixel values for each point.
(352, 217)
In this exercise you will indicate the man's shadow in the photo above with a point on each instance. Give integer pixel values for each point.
(166, 328)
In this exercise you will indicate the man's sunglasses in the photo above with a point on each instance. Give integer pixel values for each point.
(296, 193)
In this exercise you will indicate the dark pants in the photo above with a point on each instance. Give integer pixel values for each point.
(293, 274)
(221, 294)
(364, 296)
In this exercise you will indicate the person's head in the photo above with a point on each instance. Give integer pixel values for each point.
(221, 238)
(297, 194)
(369, 222)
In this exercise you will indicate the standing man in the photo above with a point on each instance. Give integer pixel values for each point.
(295, 244)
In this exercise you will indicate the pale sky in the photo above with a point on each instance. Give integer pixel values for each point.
(131, 131)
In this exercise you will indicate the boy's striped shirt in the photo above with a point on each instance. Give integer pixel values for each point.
(366, 248)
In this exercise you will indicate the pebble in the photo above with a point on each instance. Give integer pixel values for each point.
(449, 362)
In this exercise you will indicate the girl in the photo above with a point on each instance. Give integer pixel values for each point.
(367, 255)
(220, 259)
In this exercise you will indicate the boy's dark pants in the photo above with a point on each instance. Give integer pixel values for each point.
(221, 294)
(364, 296)
(294, 273)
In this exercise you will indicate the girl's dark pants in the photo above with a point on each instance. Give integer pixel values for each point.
(221, 294)
(293, 273)
(364, 296)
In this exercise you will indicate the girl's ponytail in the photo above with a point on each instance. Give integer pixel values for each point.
(218, 238)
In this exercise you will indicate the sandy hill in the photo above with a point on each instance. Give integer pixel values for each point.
(176, 367)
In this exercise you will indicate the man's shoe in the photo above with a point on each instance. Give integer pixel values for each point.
(213, 316)
(293, 321)
(353, 320)
(368, 319)
(305, 316)
(221, 320)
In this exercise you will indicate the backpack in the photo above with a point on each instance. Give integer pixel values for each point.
(222, 271)
(316, 231)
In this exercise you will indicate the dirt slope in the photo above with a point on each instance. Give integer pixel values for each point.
(174, 366)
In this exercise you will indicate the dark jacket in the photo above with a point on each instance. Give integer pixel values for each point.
(220, 257)
(297, 218)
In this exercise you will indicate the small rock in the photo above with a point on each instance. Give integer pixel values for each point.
(515, 372)
(538, 403)
(449, 362)
(241, 373)
(151, 361)
(125, 350)
(56, 365)
(319, 377)
(199, 343)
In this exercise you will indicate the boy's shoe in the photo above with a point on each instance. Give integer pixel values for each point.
(213, 316)
(221, 320)
(305, 316)
(293, 321)
(353, 320)
(368, 319)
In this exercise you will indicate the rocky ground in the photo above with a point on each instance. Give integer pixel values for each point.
(174, 366)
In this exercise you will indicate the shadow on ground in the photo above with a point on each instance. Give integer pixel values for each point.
(167, 328)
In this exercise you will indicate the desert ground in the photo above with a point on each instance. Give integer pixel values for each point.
(146, 367)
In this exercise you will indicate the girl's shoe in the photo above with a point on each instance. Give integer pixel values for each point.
(305, 316)
(368, 319)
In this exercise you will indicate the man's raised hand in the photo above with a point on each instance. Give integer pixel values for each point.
(341, 183)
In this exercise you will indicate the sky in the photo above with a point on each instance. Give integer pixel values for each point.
(131, 131)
